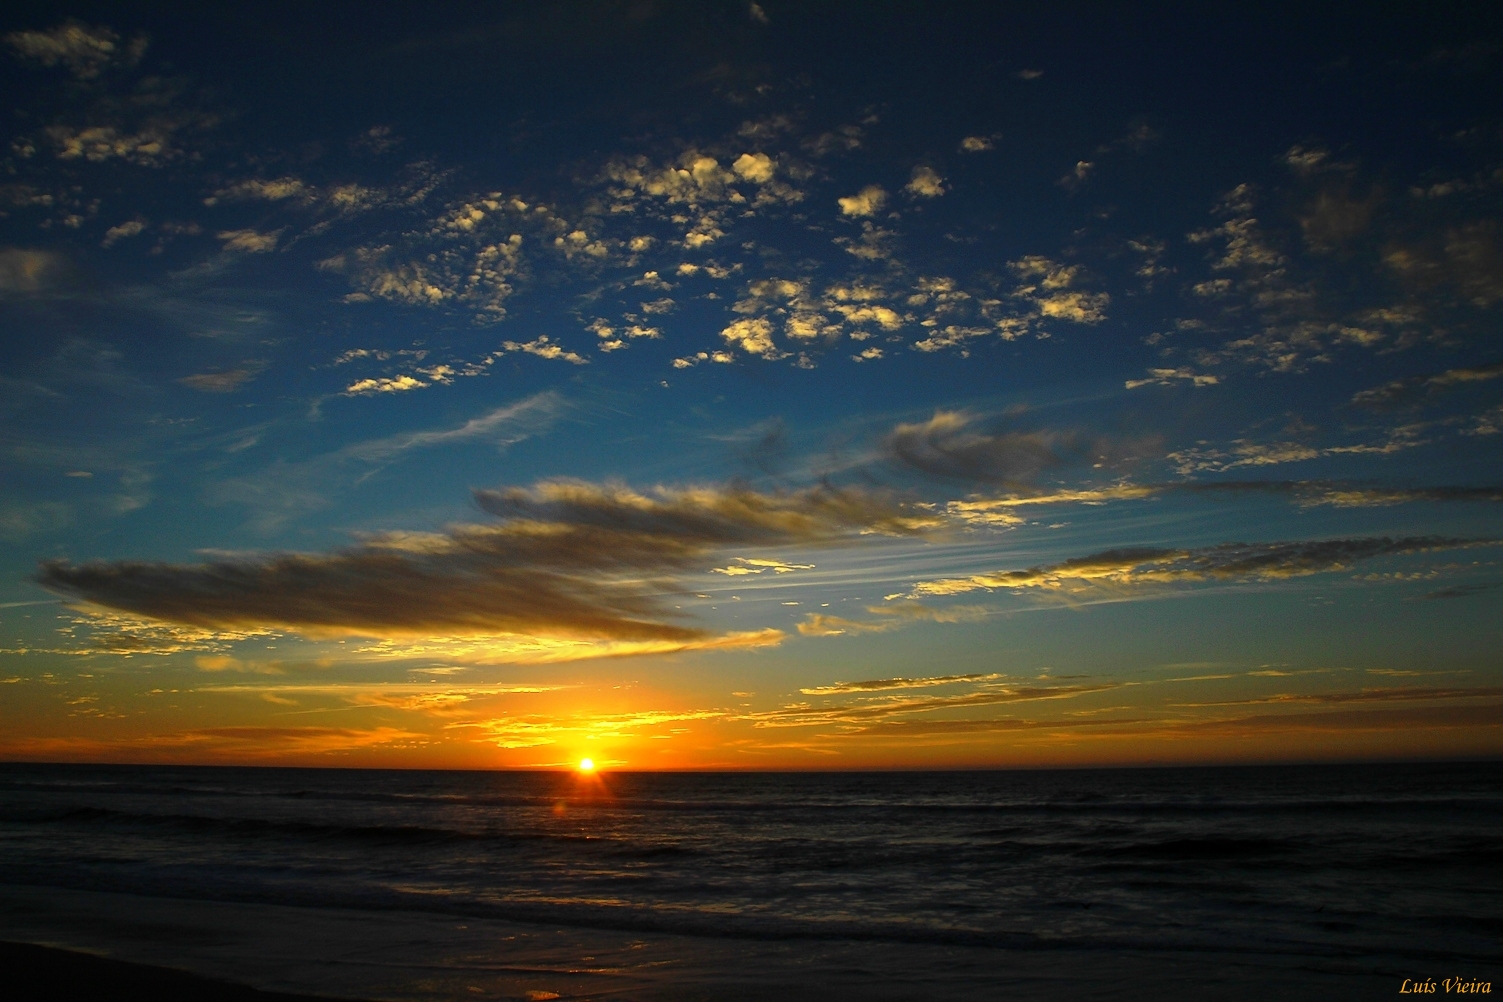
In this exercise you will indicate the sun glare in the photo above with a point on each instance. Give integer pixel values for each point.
(586, 765)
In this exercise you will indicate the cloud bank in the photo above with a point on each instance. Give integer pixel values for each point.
(569, 561)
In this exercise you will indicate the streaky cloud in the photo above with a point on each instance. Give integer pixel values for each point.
(1139, 566)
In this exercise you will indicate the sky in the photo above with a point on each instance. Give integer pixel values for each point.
(714, 385)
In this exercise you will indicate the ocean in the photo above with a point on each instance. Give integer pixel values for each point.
(1328, 881)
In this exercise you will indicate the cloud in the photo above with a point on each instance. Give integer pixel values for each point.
(756, 565)
(20, 519)
(945, 445)
(286, 489)
(1412, 388)
(1243, 452)
(227, 381)
(1168, 377)
(86, 51)
(976, 144)
(753, 336)
(866, 202)
(124, 231)
(925, 183)
(688, 361)
(1050, 288)
(275, 190)
(569, 561)
(1138, 566)
(885, 708)
(151, 146)
(1467, 259)
(24, 270)
(1461, 591)
(1078, 175)
(885, 684)
(544, 348)
(249, 241)
(819, 624)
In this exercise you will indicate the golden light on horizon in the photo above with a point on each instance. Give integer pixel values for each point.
(586, 765)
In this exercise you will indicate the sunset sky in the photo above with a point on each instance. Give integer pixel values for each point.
(727, 385)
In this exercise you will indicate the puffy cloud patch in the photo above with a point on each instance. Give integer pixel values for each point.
(542, 347)
(866, 202)
(925, 183)
(1050, 287)
(753, 336)
(85, 50)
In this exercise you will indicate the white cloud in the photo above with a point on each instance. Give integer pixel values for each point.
(866, 202)
(125, 230)
(753, 336)
(249, 241)
(925, 183)
(1167, 377)
(542, 347)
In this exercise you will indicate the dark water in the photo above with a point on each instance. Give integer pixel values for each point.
(1396, 861)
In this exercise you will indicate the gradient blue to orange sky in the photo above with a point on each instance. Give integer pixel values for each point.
(751, 386)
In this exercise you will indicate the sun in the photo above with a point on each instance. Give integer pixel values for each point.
(586, 765)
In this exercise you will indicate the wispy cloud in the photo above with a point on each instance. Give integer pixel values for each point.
(1415, 388)
(1145, 566)
(885, 684)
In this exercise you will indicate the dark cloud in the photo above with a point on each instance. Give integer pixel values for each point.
(1466, 260)
(949, 445)
(1461, 591)
(569, 560)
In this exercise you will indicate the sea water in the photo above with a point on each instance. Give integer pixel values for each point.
(1374, 872)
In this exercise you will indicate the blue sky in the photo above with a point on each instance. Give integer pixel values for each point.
(728, 385)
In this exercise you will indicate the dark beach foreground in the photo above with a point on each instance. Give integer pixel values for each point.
(411, 956)
(44, 974)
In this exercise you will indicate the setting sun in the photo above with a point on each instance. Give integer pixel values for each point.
(586, 765)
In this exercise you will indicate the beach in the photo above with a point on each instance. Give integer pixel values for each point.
(189, 950)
